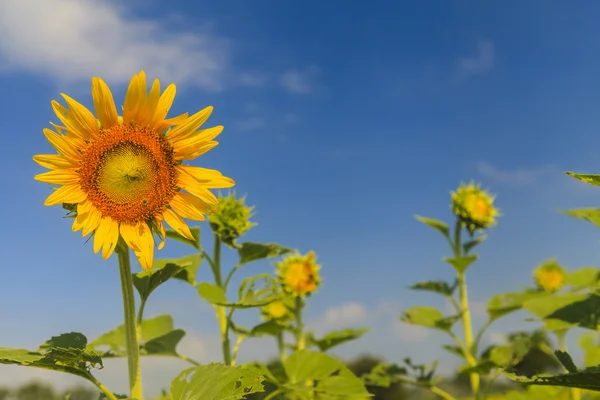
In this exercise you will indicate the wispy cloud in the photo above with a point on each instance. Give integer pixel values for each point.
(249, 124)
(252, 79)
(520, 176)
(482, 61)
(298, 81)
(72, 40)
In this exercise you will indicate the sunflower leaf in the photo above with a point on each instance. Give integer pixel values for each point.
(250, 251)
(194, 243)
(185, 268)
(335, 338)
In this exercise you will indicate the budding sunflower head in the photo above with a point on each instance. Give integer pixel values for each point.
(231, 219)
(474, 207)
(299, 274)
(550, 276)
(278, 311)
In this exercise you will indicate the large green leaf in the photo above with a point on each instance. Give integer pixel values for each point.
(429, 317)
(589, 344)
(592, 179)
(194, 243)
(384, 374)
(65, 353)
(216, 382)
(435, 224)
(146, 281)
(335, 381)
(583, 278)
(157, 338)
(462, 263)
(250, 251)
(506, 303)
(589, 214)
(440, 287)
(335, 338)
(588, 378)
(577, 309)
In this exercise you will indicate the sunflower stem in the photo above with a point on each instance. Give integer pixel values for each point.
(220, 310)
(281, 347)
(300, 344)
(132, 330)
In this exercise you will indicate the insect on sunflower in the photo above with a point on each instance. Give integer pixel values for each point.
(123, 175)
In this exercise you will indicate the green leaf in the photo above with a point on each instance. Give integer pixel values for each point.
(589, 344)
(592, 179)
(65, 353)
(439, 287)
(578, 309)
(468, 246)
(335, 338)
(267, 328)
(462, 263)
(216, 295)
(583, 277)
(194, 243)
(435, 224)
(566, 360)
(212, 293)
(589, 214)
(250, 251)
(429, 317)
(157, 334)
(506, 303)
(457, 351)
(216, 382)
(146, 281)
(384, 374)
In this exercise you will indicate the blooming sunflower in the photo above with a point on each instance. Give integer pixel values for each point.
(550, 276)
(299, 274)
(474, 206)
(123, 175)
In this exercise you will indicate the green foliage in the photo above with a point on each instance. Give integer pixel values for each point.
(505, 303)
(583, 278)
(158, 339)
(441, 287)
(250, 251)
(461, 263)
(429, 317)
(335, 338)
(231, 219)
(216, 382)
(571, 309)
(194, 243)
(435, 224)
(65, 353)
(248, 295)
(592, 179)
(184, 268)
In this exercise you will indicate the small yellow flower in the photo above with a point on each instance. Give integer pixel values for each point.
(123, 175)
(231, 219)
(474, 206)
(299, 274)
(550, 276)
(276, 310)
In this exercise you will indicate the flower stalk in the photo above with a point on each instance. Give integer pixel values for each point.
(132, 329)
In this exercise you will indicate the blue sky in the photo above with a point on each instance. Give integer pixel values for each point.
(342, 120)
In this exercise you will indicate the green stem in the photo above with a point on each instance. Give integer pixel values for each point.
(220, 310)
(131, 330)
(480, 334)
(217, 262)
(230, 275)
(442, 393)
(236, 349)
(184, 358)
(466, 312)
(275, 393)
(109, 395)
(281, 347)
(299, 325)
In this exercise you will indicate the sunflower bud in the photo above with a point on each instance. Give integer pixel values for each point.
(278, 311)
(231, 219)
(299, 274)
(550, 276)
(474, 207)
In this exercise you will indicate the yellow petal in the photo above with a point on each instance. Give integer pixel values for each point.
(146, 253)
(134, 98)
(149, 107)
(71, 194)
(210, 178)
(53, 161)
(163, 234)
(167, 123)
(192, 124)
(104, 104)
(92, 221)
(79, 119)
(191, 152)
(177, 224)
(62, 144)
(195, 139)
(130, 235)
(189, 206)
(83, 210)
(164, 104)
(197, 188)
(59, 177)
(106, 237)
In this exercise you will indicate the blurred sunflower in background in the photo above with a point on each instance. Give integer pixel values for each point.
(299, 274)
(123, 175)
(474, 206)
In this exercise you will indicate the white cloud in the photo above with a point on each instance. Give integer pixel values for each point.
(73, 40)
(340, 317)
(298, 81)
(481, 62)
(517, 177)
(252, 79)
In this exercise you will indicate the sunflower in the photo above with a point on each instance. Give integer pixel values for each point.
(123, 175)
(299, 274)
(550, 276)
(474, 207)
